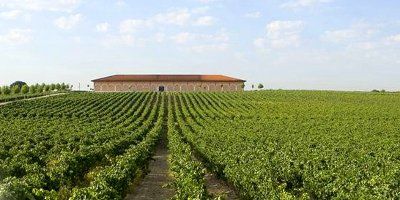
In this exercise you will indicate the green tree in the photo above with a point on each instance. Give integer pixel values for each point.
(33, 89)
(63, 87)
(46, 88)
(6, 90)
(260, 86)
(58, 87)
(16, 89)
(39, 89)
(52, 87)
(18, 83)
(24, 89)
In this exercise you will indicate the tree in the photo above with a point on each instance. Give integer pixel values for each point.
(52, 87)
(260, 86)
(6, 90)
(18, 83)
(16, 89)
(39, 89)
(63, 87)
(24, 89)
(46, 88)
(32, 89)
(58, 87)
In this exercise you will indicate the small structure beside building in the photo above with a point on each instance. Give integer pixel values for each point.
(180, 83)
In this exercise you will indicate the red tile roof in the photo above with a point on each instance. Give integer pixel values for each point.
(167, 78)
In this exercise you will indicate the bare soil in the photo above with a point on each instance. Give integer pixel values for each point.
(153, 186)
(219, 188)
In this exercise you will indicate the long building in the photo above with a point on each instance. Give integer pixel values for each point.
(180, 83)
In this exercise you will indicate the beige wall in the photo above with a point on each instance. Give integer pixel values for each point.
(169, 86)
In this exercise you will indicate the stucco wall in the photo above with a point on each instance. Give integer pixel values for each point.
(168, 86)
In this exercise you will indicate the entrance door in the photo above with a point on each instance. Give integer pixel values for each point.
(161, 88)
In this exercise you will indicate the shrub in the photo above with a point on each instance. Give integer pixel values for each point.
(260, 86)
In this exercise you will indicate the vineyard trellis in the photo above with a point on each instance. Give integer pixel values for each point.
(267, 145)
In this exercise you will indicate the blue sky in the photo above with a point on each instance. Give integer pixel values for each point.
(286, 44)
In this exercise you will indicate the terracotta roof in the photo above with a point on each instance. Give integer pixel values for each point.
(172, 78)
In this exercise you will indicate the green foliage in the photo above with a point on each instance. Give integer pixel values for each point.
(18, 83)
(267, 144)
(188, 173)
(58, 87)
(52, 87)
(16, 89)
(5, 90)
(33, 89)
(40, 89)
(24, 89)
(260, 86)
(47, 88)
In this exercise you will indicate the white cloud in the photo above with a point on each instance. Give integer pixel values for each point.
(281, 34)
(340, 35)
(159, 37)
(207, 1)
(205, 21)
(209, 47)
(124, 39)
(102, 27)
(303, 3)
(41, 5)
(183, 37)
(133, 25)
(10, 15)
(253, 15)
(186, 37)
(202, 42)
(176, 17)
(68, 22)
(394, 38)
(200, 10)
(16, 36)
(121, 3)
(357, 33)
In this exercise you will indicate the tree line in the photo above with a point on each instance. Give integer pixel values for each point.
(20, 87)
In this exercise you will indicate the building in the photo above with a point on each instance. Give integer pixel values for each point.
(184, 83)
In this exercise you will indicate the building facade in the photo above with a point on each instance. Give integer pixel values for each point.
(179, 83)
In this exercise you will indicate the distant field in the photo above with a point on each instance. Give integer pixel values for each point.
(14, 97)
(266, 144)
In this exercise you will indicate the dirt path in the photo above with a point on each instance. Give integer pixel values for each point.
(219, 188)
(28, 99)
(152, 186)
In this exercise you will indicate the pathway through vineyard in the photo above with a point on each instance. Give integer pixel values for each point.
(30, 99)
(153, 185)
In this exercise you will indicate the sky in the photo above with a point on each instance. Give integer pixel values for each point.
(284, 44)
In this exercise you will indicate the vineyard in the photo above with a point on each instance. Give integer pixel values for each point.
(265, 144)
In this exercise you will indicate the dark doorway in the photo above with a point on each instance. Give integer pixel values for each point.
(161, 88)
